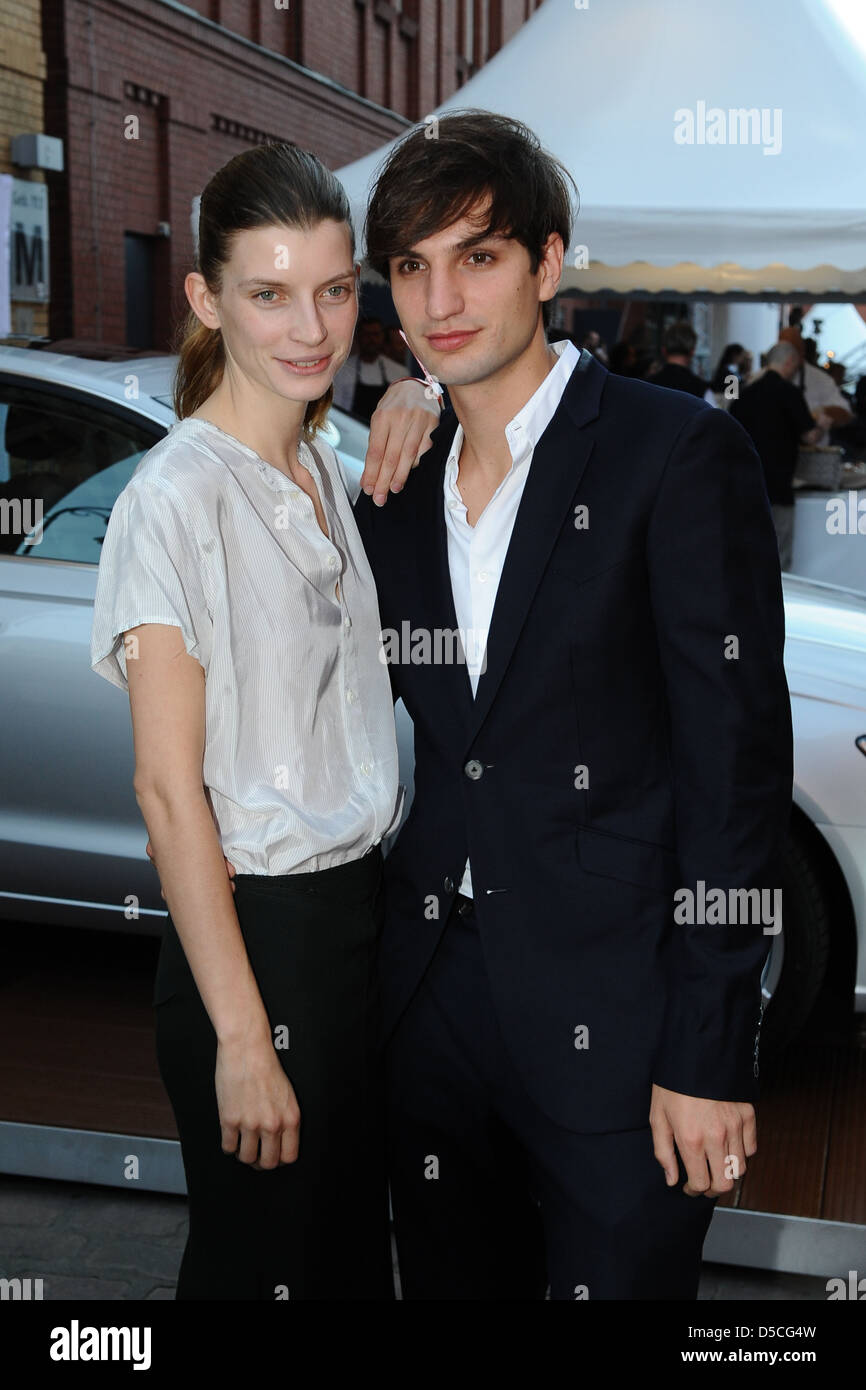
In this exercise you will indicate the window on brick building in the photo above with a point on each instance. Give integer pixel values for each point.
(477, 30)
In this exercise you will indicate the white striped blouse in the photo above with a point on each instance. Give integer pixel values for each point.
(300, 760)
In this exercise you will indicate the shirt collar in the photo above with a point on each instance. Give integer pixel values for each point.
(525, 429)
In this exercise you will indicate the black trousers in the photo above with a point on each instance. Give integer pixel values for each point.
(491, 1198)
(316, 1228)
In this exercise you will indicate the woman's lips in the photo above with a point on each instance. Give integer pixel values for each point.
(307, 368)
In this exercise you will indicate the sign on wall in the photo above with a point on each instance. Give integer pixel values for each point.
(28, 241)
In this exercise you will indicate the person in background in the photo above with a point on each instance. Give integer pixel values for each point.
(678, 345)
(850, 434)
(776, 416)
(366, 375)
(623, 359)
(395, 347)
(728, 377)
(821, 392)
(793, 333)
(592, 342)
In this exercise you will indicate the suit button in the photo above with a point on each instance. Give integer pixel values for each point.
(474, 769)
(448, 885)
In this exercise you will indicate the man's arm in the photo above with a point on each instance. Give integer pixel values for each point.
(717, 604)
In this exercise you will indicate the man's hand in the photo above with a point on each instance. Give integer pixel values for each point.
(230, 868)
(400, 430)
(713, 1137)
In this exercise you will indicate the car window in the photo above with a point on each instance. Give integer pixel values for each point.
(63, 461)
(349, 438)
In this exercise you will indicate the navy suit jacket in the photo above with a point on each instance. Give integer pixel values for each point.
(630, 735)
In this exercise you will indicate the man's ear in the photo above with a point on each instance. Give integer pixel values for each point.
(550, 266)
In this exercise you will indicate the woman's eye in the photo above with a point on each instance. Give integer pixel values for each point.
(341, 289)
(259, 294)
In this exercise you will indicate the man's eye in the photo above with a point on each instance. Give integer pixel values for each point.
(403, 264)
(486, 254)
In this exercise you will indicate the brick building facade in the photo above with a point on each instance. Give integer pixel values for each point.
(150, 97)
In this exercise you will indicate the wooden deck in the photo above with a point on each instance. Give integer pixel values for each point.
(77, 1050)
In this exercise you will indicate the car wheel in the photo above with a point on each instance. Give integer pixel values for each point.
(797, 963)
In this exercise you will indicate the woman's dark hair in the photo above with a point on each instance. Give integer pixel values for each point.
(438, 171)
(271, 184)
(729, 353)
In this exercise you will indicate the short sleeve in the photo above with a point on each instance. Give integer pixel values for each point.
(150, 571)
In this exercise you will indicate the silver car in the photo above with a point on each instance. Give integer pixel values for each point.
(71, 834)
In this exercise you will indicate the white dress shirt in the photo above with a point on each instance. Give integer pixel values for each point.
(476, 553)
(820, 390)
(300, 759)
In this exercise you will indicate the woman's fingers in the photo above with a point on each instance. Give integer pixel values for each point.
(399, 430)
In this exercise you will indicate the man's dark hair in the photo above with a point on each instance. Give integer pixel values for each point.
(437, 173)
(679, 339)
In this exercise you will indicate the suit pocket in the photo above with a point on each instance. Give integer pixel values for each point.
(641, 862)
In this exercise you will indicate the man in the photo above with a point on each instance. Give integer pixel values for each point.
(679, 341)
(778, 420)
(364, 377)
(571, 1070)
(822, 392)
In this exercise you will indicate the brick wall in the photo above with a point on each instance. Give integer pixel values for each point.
(150, 99)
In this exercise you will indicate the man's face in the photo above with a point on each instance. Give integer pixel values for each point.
(470, 310)
(790, 366)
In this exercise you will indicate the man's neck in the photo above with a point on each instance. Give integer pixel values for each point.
(484, 408)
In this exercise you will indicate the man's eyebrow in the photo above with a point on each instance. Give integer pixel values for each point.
(282, 284)
(463, 245)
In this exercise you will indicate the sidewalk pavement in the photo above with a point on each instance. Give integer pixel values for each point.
(101, 1243)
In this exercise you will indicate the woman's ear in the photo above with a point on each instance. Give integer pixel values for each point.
(201, 301)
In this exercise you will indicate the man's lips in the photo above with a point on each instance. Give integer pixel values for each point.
(445, 342)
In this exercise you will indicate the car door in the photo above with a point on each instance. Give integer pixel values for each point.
(71, 835)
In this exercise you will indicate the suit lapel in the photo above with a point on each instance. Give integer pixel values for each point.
(433, 568)
(558, 463)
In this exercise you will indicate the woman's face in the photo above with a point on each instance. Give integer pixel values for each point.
(288, 307)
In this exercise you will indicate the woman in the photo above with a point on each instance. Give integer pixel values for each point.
(236, 605)
(728, 371)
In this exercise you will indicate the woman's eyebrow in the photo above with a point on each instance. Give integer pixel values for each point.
(284, 284)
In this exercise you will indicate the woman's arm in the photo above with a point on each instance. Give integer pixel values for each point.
(257, 1104)
(400, 431)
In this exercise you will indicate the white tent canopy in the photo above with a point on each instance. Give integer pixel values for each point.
(768, 196)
